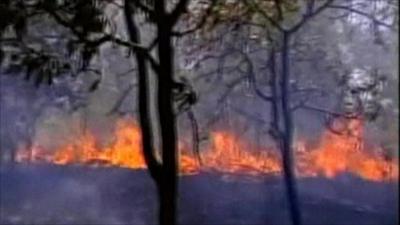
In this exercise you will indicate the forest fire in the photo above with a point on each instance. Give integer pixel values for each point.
(335, 153)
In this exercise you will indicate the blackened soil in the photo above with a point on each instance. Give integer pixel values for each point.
(47, 194)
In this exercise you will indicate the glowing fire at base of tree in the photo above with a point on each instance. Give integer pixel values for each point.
(227, 153)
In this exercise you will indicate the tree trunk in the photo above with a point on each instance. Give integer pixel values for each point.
(287, 135)
(274, 83)
(143, 95)
(165, 174)
(168, 189)
(153, 165)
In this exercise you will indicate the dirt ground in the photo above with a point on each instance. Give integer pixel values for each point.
(46, 194)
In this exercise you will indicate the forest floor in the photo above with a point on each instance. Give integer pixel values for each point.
(78, 195)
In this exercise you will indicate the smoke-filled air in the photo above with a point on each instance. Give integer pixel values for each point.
(140, 112)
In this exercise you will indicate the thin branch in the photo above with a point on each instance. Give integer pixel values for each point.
(359, 12)
(255, 118)
(230, 88)
(278, 9)
(252, 78)
(195, 134)
(121, 100)
(126, 72)
(321, 110)
(264, 14)
(200, 24)
(310, 14)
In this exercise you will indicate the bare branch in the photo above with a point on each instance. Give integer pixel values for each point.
(200, 24)
(255, 118)
(319, 110)
(230, 88)
(252, 77)
(264, 14)
(121, 100)
(359, 12)
(195, 134)
(310, 14)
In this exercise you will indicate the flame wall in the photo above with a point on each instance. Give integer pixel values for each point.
(228, 153)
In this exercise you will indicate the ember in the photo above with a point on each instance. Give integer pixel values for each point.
(335, 154)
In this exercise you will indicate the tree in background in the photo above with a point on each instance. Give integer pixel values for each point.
(276, 25)
(43, 38)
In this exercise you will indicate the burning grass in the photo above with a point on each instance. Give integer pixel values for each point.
(228, 153)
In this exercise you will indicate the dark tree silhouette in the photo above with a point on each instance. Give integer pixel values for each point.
(164, 173)
(86, 22)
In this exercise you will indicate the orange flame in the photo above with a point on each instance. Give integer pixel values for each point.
(338, 153)
(227, 153)
(125, 151)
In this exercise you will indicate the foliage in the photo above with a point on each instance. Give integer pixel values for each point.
(45, 38)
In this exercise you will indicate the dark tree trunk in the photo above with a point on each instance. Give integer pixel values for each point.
(143, 95)
(164, 174)
(287, 134)
(168, 189)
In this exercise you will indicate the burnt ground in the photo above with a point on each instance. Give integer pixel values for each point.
(46, 194)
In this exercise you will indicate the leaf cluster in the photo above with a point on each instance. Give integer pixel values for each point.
(70, 29)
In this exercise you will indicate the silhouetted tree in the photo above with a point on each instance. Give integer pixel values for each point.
(85, 22)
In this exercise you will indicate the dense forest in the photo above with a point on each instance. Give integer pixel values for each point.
(271, 72)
